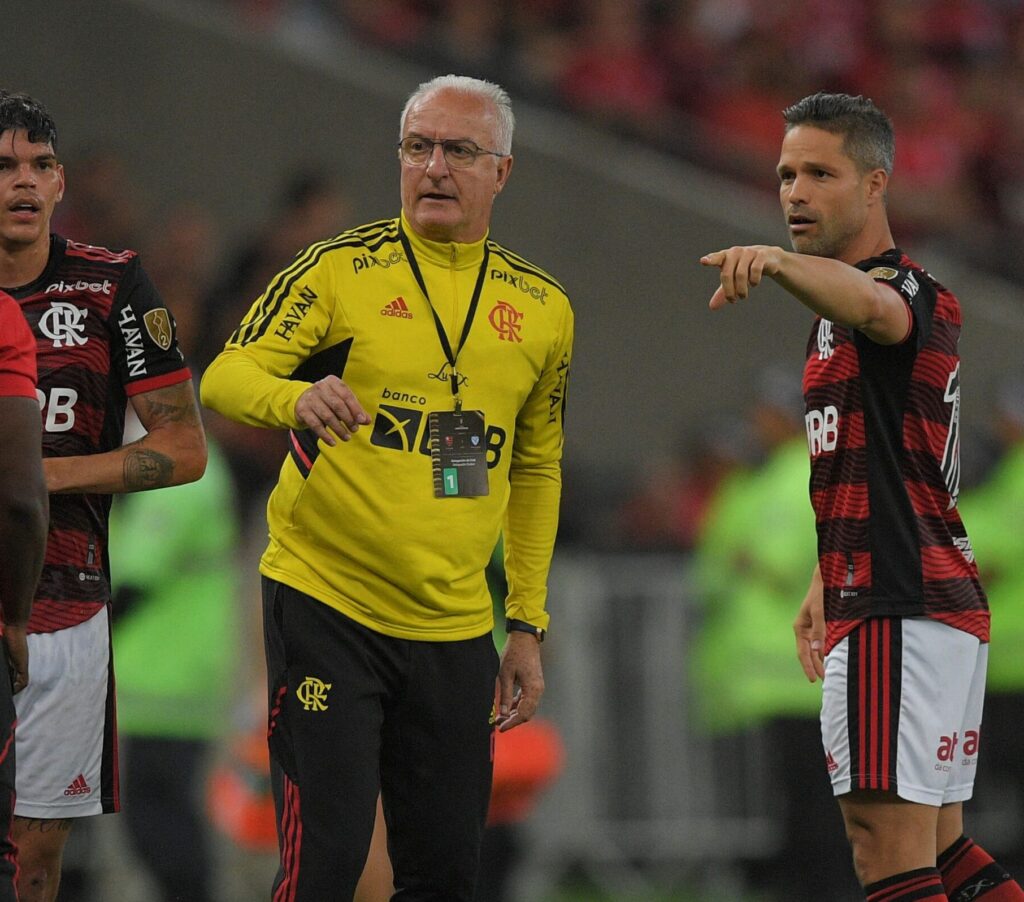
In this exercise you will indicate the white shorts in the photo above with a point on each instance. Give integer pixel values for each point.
(65, 741)
(901, 709)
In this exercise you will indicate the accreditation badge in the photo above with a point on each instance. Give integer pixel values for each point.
(458, 453)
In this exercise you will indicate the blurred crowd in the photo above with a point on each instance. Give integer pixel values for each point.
(707, 79)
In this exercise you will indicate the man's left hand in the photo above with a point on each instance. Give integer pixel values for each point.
(520, 680)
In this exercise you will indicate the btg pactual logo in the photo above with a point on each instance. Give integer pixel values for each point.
(312, 692)
(64, 323)
(402, 429)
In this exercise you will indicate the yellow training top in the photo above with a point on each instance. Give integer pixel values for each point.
(357, 525)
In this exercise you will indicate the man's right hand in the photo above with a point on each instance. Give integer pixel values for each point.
(809, 628)
(329, 408)
(17, 655)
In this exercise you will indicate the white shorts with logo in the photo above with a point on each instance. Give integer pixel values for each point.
(901, 709)
(65, 742)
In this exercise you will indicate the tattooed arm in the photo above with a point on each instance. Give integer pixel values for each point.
(171, 453)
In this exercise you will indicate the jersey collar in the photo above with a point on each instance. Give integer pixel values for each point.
(444, 253)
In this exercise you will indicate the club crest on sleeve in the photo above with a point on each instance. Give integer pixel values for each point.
(158, 325)
(883, 272)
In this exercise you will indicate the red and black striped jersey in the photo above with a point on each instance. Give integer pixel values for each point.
(883, 433)
(102, 335)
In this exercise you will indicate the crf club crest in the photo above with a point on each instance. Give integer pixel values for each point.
(158, 325)
(506, 321)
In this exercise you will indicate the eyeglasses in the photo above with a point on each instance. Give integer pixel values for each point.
(458, 154)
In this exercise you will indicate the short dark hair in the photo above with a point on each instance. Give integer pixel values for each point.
(867, 132)
(19, 111)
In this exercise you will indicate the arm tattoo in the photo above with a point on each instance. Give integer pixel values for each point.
(146, 469)
(170, 413)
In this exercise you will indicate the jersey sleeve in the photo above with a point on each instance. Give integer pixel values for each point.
(251, 380)
(144, 350)
(917, 292)
(531, 519)
(18, 374)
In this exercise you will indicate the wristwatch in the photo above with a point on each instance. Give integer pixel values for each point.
(521, 626)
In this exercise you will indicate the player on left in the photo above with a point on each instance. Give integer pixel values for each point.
(104, 339)
(23, 517)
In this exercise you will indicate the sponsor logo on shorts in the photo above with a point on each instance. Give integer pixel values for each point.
(78, 787)
(312, 692)
(946, 751)
(831, 763)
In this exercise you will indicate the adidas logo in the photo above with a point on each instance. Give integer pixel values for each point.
(397, 307)
(78, 787)
(831, 763)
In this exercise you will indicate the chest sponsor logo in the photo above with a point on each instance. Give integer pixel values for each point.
(520, 282)
(444, 374)
(365, 262)
(397, 428)
(104, 287)
(826, 340)
(404, 429)
(822, 430)
(158, 325)
(398, 307)
(64, 324)
(312, 692)
(506, 321)
(58, 408)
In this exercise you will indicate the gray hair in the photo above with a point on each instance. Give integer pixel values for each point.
(866, 131)
(505, 121)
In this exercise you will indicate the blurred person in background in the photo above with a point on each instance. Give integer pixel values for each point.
(994, 511)
(667, 511)
(23, 518)
(895, 620)
(105, 340)
(310, 205)
(455, 354)
(752, 559)
(104, 204)
(174, 556)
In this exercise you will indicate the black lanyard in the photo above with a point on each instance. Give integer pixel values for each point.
(441, 334)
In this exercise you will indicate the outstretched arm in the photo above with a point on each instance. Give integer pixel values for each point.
(172, 452)
(832, 289)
